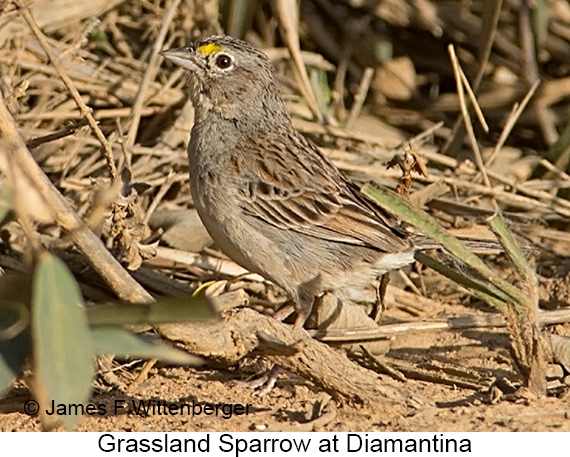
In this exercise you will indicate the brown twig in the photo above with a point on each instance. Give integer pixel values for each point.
(150, 73)
(66, 131)
(511, 121)
(32, 181)
(359, 97)
(467, 120)
(289, 21)
(245, 331)
(85, 110)
(344, 335)
(489, 29)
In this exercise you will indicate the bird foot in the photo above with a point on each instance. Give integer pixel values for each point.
(264, 383)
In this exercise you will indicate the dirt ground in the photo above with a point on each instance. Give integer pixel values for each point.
(290, 404)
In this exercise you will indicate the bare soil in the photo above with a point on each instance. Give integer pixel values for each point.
(290, 404)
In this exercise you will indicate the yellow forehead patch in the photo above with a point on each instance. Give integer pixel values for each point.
(209, 48)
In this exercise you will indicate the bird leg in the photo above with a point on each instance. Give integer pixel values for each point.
(378, 307)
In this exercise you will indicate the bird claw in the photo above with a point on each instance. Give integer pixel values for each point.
(264, 383)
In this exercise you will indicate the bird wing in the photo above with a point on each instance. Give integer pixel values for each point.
(292, 186)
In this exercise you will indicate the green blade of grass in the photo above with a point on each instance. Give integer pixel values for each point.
(163, 311)
(405, 211)
(121, 342)
(517, 258)
(485, 291)
(62, 347)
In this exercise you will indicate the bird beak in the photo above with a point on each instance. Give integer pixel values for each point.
(183, 57)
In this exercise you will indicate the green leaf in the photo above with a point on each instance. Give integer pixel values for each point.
(100, 39)
(166, 310)
(13, 354)
(481, 289)
(118, 341)
(404, 210)
(14, 318)
(64, 358)
(320, 85)
(517, 258)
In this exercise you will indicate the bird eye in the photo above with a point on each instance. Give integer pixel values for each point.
(223, 61)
